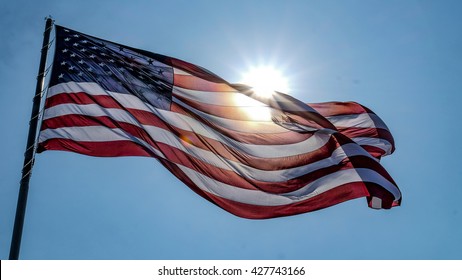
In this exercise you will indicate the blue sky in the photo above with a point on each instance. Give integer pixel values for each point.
(402, 59)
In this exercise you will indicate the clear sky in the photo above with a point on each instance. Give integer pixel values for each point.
(402, 59)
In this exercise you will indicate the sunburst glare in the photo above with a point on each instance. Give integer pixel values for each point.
(264, 80)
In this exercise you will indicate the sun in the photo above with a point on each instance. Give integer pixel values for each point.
(264, 80)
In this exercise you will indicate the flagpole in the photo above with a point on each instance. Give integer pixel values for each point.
(30, 147)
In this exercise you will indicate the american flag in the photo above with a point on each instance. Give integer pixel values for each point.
(254, 156)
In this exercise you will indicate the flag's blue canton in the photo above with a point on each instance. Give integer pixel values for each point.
(117, 68)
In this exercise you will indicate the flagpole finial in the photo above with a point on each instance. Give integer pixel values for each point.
(50, 18)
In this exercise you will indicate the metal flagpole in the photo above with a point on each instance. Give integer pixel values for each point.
(30, 148)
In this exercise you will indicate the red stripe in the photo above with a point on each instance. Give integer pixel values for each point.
(81, 98)
(328, 109)
(96, 149)
(374, 151)
(353, 132)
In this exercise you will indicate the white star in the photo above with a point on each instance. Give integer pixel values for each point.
(94, 48)
(67, 39)
(71, 68)
(101, 64)
(111, 60)
(84, 41)
(80, 74)
(81, 61)
(92, 56)
(66, 30)
(65, 50)
(89, 69)
(76, 36)
(61, 76)
(72, 54)
(83, 50)
(63, 63)
(75, 44)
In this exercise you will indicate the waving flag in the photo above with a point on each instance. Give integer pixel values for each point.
(254, 156)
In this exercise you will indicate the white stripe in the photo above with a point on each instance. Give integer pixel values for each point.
(93, 134)
(86, 133)
(91, 110)
(376, 142)
(376, 203)
(364, 120)
(177, 71)
(255, 197)
(97, 134)
(126, 100)
(313, 143)
(69, 87)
